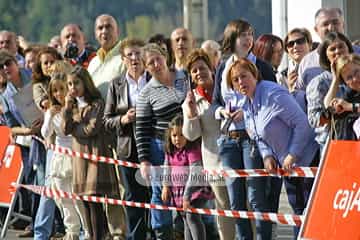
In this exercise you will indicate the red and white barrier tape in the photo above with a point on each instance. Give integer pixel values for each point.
(91, 157)
(308, 172)
(285, 219)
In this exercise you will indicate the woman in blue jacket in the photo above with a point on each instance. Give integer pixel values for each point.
(279, 127)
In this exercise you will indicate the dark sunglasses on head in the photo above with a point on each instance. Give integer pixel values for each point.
(298, 41)
(7, 63)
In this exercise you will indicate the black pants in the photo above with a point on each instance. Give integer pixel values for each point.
(95, 213)
(138, 193)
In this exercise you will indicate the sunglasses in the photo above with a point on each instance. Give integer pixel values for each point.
(298, 41)
(7, 63)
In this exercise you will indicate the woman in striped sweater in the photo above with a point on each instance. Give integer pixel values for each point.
(158, 102)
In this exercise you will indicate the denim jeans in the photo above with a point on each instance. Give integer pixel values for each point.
(238, 154)
(159, 218)
(298, 191)
(46, 212)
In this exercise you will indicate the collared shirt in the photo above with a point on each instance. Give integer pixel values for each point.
(20, 60)
(104, 68)
(135, 87)
(315, 94)
(278, 125)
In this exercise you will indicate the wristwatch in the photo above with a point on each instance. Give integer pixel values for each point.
(355, 107)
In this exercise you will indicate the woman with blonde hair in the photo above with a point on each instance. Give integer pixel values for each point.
(346, 109)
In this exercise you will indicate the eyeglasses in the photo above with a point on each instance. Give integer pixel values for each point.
(298, 41)
(7, 63)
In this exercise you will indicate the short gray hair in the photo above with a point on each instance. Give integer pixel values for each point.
(327, 10)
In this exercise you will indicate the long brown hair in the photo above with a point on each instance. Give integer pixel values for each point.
(91, 93)
(232, 31)
(38, 75)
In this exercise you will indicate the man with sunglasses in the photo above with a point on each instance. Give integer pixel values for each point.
(326, 20)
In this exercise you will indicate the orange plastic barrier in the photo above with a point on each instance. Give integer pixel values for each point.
(334, 211)
(10, 167)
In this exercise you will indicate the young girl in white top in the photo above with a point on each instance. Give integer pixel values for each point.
(61, 164)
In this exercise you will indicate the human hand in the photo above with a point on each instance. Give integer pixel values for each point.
(165, 194)
(237, 116)
(225, 113)
(69, 101)
(191, 104)
(335, 79)
(129, 117)
(186, 204)
(145, 169)
(55, 109)
(340, 105)
(270, 164)
(45, 104)
(292, 78)
(288, 163)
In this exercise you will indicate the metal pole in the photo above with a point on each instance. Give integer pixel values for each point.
(205, 20)
(187, 13)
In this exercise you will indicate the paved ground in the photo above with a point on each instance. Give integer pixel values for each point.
(284, 232)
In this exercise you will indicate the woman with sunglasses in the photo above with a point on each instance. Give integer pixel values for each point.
(297, 44)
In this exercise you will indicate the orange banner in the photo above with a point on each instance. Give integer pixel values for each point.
(10, 165)
(334, 211)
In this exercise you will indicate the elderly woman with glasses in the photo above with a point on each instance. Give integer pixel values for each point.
(119, 117)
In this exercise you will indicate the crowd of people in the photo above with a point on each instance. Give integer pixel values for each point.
(168, 105)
